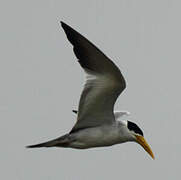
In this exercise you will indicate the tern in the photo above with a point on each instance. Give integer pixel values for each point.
(97, 124)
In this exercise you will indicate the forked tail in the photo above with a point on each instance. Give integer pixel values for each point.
(62, 141)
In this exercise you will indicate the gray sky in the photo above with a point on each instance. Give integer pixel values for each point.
(40, 83)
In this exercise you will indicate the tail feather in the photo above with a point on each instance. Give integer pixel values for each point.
(61, 141)
(46, 144)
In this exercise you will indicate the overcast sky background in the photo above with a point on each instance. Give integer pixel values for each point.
(41, 82)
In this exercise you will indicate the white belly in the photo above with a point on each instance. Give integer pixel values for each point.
(97, 137)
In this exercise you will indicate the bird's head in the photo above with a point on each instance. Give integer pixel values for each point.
(137, 133)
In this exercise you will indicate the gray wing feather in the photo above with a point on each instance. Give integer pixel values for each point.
(104, 82)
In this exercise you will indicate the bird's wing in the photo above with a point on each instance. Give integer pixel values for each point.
(104, 82)
(118, 114)
(75, 111)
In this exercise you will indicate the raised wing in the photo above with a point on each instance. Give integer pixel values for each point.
(104, 82)
(118, 114)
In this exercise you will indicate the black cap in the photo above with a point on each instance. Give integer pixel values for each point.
(133, 127)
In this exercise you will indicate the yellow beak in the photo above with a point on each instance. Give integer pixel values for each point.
(141, 140)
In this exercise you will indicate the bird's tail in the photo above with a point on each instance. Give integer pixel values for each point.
(62, 141)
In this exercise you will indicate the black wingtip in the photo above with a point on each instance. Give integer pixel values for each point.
(75, 111)
(64, 25)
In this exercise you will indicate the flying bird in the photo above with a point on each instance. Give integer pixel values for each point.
(97, 124)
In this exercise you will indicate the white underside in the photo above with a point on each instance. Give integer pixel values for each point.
(105, 135)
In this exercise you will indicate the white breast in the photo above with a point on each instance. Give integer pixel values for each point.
(99, 136)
